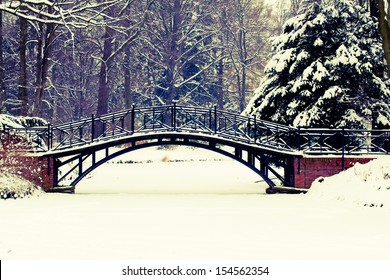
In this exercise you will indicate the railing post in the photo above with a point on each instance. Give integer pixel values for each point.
(248, 129)
(210, 119)
(343, 149)
(49, 137)
(81, 132)
(299, 138)
(235, 126)
(113, 125)
(299, 148)
(153, 118)
(174, 116)
(215, 119)
(132, 118)
(254, 128)
(70, 134)
(92, 127)
(195, 120)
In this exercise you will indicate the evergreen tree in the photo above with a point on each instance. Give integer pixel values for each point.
(327, 70)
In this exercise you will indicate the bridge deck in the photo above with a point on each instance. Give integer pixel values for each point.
(179, 138)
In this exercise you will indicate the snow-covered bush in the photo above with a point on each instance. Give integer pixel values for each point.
(363, 184)
(33, 140)
(21, 122)
(327, 70)
(13, 186)
(13, 161)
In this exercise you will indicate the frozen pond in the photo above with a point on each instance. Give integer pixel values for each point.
(174, 170)
(193, 209)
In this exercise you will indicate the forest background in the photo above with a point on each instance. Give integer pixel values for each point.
(63, 60)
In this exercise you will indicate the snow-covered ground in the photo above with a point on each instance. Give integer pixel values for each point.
(363, 184)
(179, 206)
(13, 186)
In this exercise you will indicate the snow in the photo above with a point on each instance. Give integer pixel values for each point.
(292, 107)
(344, 57)
(20, 122)
(332, 92)
(281, 60)
(175, 204)
(383, 120)
(318, 43)
(13, 186)
(363, 184)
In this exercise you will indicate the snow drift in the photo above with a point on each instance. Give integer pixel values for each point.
(363, 184)
(13, 186)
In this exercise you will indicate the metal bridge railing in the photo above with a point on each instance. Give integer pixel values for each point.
(211, 121)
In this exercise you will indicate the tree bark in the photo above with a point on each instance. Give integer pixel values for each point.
(172, 51)
(385, 33)
(103, 93)
(2, 82)
(23, 98)
(220, 84)
(45, 40)
(243, 56)
(128, 96)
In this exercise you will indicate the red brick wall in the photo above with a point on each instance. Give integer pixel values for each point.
(308, 169)
(14, 159)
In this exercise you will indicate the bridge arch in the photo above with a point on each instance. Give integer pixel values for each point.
(83, 161)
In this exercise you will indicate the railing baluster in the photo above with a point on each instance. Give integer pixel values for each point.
(195, 119)
(132, 118)
(92, 128)
(343, 149)
(174, 116)
(153, 117)
(215, 119)
(49, 137)
(113, 125)
(70, 135)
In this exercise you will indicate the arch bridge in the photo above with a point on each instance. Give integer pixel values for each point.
(275, 152)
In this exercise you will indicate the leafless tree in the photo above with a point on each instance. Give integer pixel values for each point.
(246, 28)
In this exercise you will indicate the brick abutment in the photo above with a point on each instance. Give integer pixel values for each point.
(308, 169)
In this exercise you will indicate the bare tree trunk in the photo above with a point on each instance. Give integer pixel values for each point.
(243, 60)
(23, 98)
(2, 82)
(174, 30)
(243, 89)
(385, 32)
(45, 40)
(104, 89)
(220, 86)
(243, 56)
(38, 92)
(128, 96)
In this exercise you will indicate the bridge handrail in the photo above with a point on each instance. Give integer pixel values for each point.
(213, 121)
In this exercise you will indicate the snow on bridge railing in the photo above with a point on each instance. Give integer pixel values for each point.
(211, 121)
(344, 141)
(31, 139)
